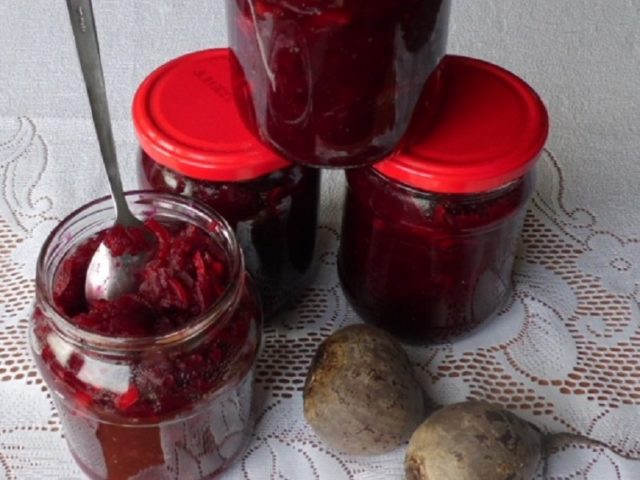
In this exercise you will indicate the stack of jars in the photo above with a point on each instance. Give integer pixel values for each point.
(439, 152)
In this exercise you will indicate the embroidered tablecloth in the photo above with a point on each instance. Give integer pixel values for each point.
(563, 353)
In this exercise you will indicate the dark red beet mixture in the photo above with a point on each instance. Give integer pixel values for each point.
(185, 275)
(139, 412)
(334, 83)
(274, 216)
(426, 266)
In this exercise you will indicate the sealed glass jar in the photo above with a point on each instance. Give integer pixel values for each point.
(150, 388)
(334, 83)
(429, 236)
(194, 143)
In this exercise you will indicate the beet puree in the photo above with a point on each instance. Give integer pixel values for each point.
(274, 216)
(165, 390)
(184, 276)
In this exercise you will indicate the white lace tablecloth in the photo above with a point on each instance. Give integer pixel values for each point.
(564, 354)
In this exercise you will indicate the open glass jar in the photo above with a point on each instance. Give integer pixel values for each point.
(334, 83)
(429, 236)
(172, 405)
(194, 143)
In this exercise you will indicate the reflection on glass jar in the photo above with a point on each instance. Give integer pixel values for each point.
(175, 404)
(335, 83)
(289, 97)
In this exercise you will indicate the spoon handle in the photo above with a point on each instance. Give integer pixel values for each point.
(84, 31)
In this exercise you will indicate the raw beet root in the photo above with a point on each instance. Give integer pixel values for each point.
(361, 395)
(473, 441)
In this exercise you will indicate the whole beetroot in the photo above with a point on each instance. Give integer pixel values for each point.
(473, 441)
(361, 395)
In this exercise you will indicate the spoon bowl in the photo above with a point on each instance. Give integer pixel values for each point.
(110, 276)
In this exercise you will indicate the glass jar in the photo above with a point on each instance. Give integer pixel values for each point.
(429, 236)
(176, 405)
(194, 143)
(425, 264)
(334, 83)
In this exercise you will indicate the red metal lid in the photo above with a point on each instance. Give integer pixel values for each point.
(186, 118)
(490, 130)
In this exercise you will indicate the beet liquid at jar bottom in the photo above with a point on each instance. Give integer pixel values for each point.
(188, 447)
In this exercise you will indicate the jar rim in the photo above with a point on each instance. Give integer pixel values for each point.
(116, 344)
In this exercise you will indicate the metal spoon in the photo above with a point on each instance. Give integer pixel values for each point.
(108, 276)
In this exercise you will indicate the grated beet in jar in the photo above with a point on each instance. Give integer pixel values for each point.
(194, 143)
(334, 83)
(158, 382)
(429, 236)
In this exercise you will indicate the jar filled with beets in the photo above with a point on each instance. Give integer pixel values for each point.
(194, 143)
(156, 383)
(429, 236)
(334, 83)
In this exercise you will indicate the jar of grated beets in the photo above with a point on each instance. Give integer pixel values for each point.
(156, 383)
(429, 235)
(334, 83)
(194, 143)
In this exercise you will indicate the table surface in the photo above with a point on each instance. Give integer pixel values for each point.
(563, 354)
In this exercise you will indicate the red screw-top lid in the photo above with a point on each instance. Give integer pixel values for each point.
(490, 129)
(186, 119)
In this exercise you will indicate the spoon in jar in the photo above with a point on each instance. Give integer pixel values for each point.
(108, 275)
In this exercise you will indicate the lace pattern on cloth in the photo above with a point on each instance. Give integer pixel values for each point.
(562, 353)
